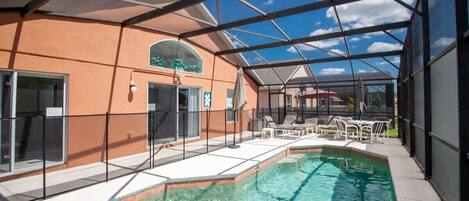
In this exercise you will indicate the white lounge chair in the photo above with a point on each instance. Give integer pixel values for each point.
(311, 125)
(286, 128)
(329, 125)
(308, 127)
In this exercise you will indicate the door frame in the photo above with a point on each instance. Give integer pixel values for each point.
(199, 109)
(177, 106)
(13, 98)
(148, 108)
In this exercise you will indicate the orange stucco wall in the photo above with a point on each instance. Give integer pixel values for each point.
(98, 58)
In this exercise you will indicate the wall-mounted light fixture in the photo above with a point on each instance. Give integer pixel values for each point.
(133, 86)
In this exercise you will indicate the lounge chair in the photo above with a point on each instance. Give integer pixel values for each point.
(345, 129)
(329, 125)
(375, 129)
(308, 127)
(289, 120)
(285, 128)
(271, 126)
(311, 124)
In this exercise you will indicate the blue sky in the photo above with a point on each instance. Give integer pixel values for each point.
(355, 15)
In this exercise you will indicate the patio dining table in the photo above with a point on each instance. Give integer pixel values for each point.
(360, 124)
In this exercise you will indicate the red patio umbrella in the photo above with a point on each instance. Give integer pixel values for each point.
(320, 94)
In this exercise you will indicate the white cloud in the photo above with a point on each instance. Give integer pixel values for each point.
(366, 71)
(318, 23)
(395, 60)
(370, 35)
(326, 43)
(378, 33)
(320, 44)
(269, 2)
(381, 63)
(337, 51)
(382, 47)
(442, 42)
(361, 71)
(370, 12)
(366, 36)
(256, 60)
(237, 43)
(354, 39)
(292, 49)
(323, 31)
(331, 71)
(301, 47)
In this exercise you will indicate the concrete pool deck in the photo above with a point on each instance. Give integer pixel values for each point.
(408, 179)
(30, 187)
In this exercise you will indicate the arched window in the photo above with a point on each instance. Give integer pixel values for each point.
(175, 55)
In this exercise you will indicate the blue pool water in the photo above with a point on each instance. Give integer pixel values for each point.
(310, 176)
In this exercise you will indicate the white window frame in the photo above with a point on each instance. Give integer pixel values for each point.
(170, 69)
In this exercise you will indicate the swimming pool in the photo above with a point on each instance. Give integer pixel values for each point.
(309, 176)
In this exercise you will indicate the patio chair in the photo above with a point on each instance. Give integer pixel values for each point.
(270, 126)
(345, 129)
(329, 125)
(388, 125)
(375, 129)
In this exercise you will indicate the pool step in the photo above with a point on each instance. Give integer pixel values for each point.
(291, 158)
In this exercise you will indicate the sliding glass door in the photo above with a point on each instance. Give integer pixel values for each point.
(6, 79)
(189, 124)
(177, 112)
(35, 97)
(162, 99)
(25, 99)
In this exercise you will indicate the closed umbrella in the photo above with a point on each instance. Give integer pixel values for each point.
(361, 97)
(239, 95)
(239, 101)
